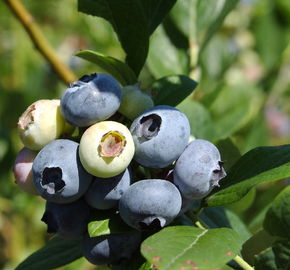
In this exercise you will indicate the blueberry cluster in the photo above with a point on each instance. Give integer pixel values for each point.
(86, 150)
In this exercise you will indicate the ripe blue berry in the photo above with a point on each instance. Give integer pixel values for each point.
(58, 174)
(68, 220)
(105, 193)
(109, 249)
(150, 204)
(198, 169)
(91, 99)
(160, 135)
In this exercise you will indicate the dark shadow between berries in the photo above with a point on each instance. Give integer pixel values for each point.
(154, 225)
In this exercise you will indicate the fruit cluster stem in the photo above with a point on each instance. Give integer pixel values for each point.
(40, 42)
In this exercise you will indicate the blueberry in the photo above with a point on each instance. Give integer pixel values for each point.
(105, 193)
(109, 249)
(22, 170)
(185, 206)
(68, 220)
(91, 99)
(106, 149)
(150, 204)
(135, 100)
(40, 124)
(198, 169)
(160, 135)
(58, 174)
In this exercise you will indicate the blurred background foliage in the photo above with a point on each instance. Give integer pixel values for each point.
(243, 96)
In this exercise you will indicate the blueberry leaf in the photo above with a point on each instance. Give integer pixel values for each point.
(199, 118)
(187, 247)
(277, 218)
(56, 253)
(261, 164)
(171, 90)
(164, 58)
(114, 67)
(227, 7)
(223, 217)
(129, 21)
(156, 11)
(274, 258)
(107, 224)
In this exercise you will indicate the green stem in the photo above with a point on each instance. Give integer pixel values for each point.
(242, 263)
(200, 224)
(196, 220)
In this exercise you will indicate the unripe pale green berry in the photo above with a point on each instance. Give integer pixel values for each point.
(106, 149)
(135, 100)
(40, 124)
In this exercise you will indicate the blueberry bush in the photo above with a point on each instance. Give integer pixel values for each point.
(154, 137)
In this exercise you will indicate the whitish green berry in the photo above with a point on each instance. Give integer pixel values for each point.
(106, 149)
(135, 100)
(40, 124)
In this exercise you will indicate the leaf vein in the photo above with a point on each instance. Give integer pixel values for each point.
(186, 249)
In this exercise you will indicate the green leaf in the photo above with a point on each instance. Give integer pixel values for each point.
(255, 245)
(233, 108)
(186, 247)
(56, 253)
(199, 118)
(114, 67)
(207, 13)
(172, 90)
(277, 218)
(271, 39)
(262, 164)
(130, 24)
(156, 11)
(219, 217)
(103, 224)
(278, 257)
(227, 7)
(229, 152)
(164, 58)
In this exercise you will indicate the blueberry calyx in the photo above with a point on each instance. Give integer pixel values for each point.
(218, 174)
(149, 126)
(112, 144)
(83, 80)
(88, 78)
(52, 180)
(27, 118)
(154, 225)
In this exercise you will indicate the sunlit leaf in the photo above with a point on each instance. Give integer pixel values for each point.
(186, 247)
(259, 165)
(107, 224)
(114, 67)
(164, 58)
